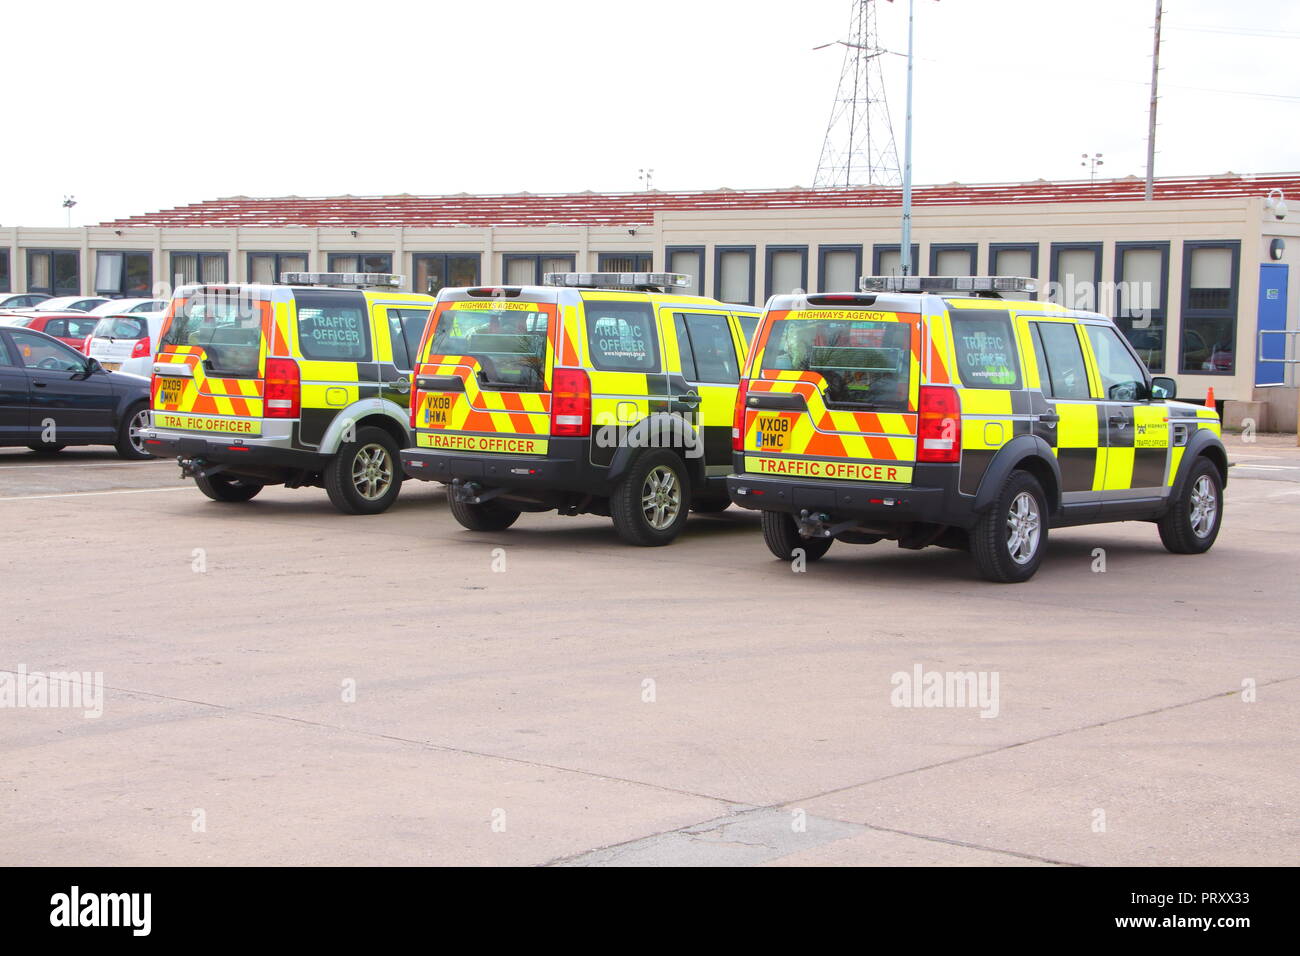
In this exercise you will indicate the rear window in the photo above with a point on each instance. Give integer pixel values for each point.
(864, 363)
(986, 348)
(333, 326)
(227, 327)
(120, 327)
(508, 343)
(621, 336)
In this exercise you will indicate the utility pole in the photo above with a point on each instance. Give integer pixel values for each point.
(905, 251)
(1151, 129)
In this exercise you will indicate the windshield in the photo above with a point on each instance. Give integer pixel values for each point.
(120, 327)
(864, 363)
(509, 344)
(228, 327)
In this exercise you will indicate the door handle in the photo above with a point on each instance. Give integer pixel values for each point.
(40, 384)
(690, 399)
(1049, 420)
(400, 385)
(1118, 420)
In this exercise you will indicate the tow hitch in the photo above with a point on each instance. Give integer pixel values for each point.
(472, 493)
(817, 525)
(198, 468)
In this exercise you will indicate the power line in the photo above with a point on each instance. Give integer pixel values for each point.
(1242, 32)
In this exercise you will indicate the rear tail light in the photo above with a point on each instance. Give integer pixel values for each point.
(738, 418)
(938, 433)
(283, 391)
(139, 350)
(570, 403)
(85, 344)
(415, 400)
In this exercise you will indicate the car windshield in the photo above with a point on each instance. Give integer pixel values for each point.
(61, 304)
(227, 327)
(509, 344)
(120, 327)
(862, 362)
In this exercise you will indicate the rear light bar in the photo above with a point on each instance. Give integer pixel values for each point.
(570, 403)
(938, 430)
(618, 280)
(947, 284)
(738, 417)
(847, 298)
(282, 393)
(364, 280)
(494, 292)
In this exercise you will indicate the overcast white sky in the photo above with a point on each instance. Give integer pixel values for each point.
(140, 105)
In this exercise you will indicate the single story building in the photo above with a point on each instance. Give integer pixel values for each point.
(1192, 276)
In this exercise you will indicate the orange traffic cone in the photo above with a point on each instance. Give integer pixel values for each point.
(1209, 397)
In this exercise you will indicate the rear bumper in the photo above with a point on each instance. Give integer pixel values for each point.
(269, 451)
(565, 468)
(932, 498)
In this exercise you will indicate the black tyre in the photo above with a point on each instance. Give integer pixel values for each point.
(46, 448)
(1192, 522)
(489, 516)
(130, 433)
(1009, 539)
(650, 504)
(225, 488)
(782, 537)
(362, 477)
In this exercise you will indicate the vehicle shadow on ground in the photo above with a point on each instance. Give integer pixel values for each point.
(78, 454)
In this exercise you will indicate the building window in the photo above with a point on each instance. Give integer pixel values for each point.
(438, 270)
(529, 269)
(953, 259)
(733, 274)
(361, 262)
(838, 268)
(124, 274)
(887, 260)
(191, 267)
(1076, 272)
(267, 267)
(4, 270)
(687, 260)
(1141, 284)
(54, 271)
(1014, 259)
(625, 262)
(1209, 313)
(786, 269)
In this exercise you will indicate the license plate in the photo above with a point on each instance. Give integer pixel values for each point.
(171, 389)
(111, 366)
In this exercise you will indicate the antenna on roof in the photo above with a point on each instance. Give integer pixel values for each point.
(859, 148)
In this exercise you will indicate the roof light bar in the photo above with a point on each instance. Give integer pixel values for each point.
(618, 280)
(947, 284)
(364, 280)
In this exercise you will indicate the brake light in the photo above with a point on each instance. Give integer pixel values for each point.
(85, 344)
(738, 418)
(139, 350)
(415, 400)
(938, 433)
(283, 391)
(570, 403)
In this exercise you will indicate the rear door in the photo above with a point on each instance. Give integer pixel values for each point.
(710, 373)
(833, 394)
(208, 370)
(484, 378)
(336, 349)
(1075, 435)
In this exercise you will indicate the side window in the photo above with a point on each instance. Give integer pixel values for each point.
(684, 348)
(37, 352)
(57, 327)
(80, 328)
(1066, 373)
(4, 352)
(1122, 378)
(621, 336)
(401, 354)
(413, 324)
(748, 326)
(712, 348)
(333, 333)
(986, 348)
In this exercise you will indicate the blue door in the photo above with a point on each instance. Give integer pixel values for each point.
(1272, 318)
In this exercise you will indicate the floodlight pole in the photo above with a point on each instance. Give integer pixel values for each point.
(1151, 128)
(905, 251)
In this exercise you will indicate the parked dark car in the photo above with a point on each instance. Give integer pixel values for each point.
(52, 396)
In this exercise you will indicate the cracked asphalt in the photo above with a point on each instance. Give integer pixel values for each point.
(285, 685)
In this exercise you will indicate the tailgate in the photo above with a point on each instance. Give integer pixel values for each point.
(833, 395)
(483, 382)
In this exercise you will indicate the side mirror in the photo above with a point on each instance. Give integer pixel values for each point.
(93, 366)
(1163, 388)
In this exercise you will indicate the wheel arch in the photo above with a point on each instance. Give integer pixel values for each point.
(1023, 453)
(648, 434)
(371, 412)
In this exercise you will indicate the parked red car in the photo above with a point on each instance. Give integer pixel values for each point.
(73, 326)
